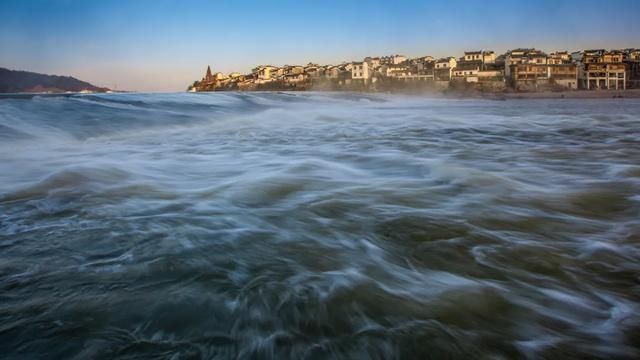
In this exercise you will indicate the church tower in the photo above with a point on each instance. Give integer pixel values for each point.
(209, 76)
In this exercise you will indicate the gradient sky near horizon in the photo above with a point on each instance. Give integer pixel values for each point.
(163, 45)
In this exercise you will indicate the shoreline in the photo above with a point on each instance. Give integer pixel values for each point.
(454, 94)
(574, 94)
(448, 94)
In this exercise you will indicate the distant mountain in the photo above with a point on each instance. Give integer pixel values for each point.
(13, 81)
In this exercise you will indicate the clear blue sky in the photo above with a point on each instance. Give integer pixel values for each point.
(163, 45)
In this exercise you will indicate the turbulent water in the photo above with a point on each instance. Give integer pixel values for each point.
(318, 225)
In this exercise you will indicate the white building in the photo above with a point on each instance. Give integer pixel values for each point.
(473, 56)
(446, 63)
(393, 59)
(361, 71)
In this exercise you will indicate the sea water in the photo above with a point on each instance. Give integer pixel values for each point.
(318, 225)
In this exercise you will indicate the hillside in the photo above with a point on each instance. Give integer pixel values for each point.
(13, 81)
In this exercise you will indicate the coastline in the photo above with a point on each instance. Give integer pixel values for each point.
(574, 94)
(446, 94)
(457, 94)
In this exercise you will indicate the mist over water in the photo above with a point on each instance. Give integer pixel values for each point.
(318, 225)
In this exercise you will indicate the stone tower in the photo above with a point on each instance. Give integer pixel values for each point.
(209, 76)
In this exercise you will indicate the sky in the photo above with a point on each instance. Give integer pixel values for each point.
(164, 45)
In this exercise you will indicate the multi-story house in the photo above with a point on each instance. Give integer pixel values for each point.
(536, 76)
(523, 56)
(530, 69)
(361, 72)
(472, 56)
(592, 56)
(563, 75)
(633, 67)
(373, 62)
(563, 71)
(528, 76)
(466, 71)
(332, 72)
(393, 59)
(604, 70)
(491, 72)
(265, 73)
(488, 57)
(421, 61)
(407, 72)
(559, 57)
(394, 70)
(292, 79)
(314, 71)
(293, 69)
(444, 68)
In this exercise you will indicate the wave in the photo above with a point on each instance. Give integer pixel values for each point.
(293, 225)
(69, 181)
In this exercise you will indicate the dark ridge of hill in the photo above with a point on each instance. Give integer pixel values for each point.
(14, 81)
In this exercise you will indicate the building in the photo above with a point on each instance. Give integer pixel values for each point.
(394, 70)
(423, 59)
(523, 69)
(220, 77)
(531, 69)
(559, 58)
(605, 76)
(466, 71)
(360, 72)
(444, 68)
(604, 70)
(531, 77)
(208, 77)
(265, 73)
(592, 56)
(392, 60)
(473, 56)
(484, 57)
(212, 81)
(563, 75)
(373, 62)
(526, 76)
(332, 72)
(407, 73)
(491, 72)
(422, 63)
(633, 68)
(293, 70)
(488, 57)
(294, 79)
(314, 71)
(524, 57)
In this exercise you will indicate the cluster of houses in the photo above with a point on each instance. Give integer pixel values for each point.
(520, 70)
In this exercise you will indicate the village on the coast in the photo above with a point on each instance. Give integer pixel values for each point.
(519, 70)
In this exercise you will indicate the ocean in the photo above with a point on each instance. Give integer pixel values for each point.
(318, 225)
